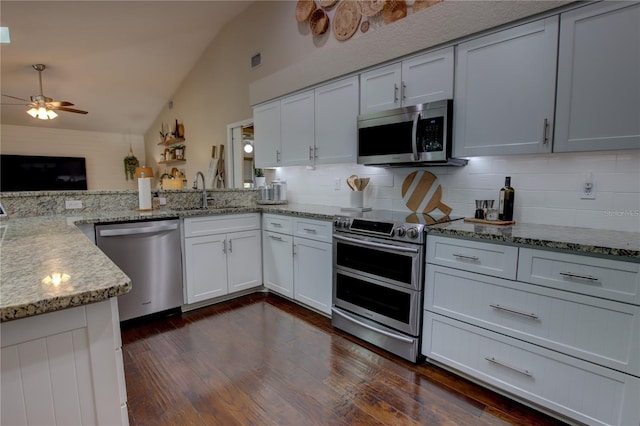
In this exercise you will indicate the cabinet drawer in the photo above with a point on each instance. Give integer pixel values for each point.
(577, 389)
(319, 230)
(475, 256)
(606, 278)
(596, 330)
(207, 225)
(277, 223)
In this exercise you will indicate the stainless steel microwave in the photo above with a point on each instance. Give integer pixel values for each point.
(409, 136)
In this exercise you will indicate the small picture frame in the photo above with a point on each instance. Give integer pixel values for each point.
(3, 212)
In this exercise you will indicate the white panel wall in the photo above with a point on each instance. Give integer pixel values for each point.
(104, 152)
(548, 187)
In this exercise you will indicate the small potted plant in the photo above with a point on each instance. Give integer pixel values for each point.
(260, 180)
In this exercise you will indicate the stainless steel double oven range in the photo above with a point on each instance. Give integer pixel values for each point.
(378, 282)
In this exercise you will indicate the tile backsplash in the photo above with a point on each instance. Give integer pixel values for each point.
(548, 187)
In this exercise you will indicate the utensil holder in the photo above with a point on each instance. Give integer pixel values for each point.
(356, 199)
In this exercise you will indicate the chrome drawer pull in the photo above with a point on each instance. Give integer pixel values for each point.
(502, 364)
(465, 257)
(582, 277)
(313, 231)
(273, 237)
(514, 311)
(277, 225)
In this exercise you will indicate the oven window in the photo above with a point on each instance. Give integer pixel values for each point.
(381, 300)
(393, 266)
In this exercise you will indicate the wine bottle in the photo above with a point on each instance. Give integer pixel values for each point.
(507, 195)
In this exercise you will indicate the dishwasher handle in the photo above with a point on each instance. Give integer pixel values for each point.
(136, 231)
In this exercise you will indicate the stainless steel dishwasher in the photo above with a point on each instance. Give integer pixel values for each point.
(149, 253)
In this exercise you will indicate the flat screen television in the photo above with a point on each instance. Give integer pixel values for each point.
(42, 173)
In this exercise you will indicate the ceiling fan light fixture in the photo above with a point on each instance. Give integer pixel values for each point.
(51, 114)
(33, 112)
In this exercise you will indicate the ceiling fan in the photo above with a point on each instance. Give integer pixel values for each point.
(43, 107)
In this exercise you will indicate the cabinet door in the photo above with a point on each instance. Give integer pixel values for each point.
(336, 124)
(206, 267)
(297, 123)
(312, 273)
(266, 123)
(505, 91)
(277, 258)
(598, 105)
(428, 77)
(244, 260)
(380, 89)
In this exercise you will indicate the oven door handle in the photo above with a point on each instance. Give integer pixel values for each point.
(368, 327)
(376, 245)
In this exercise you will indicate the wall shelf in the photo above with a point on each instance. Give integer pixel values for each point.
(171, 141)
(173, 161)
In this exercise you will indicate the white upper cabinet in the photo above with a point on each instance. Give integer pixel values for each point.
(428, 77)
(297, 129)
(380, 89)
(266, 123)
(336, 124)
(505, 91)
(598, 100)
(424, 78)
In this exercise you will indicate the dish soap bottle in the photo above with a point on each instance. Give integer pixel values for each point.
(507, 194)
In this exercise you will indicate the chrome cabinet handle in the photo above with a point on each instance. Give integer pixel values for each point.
(404, 91)
(230, 246)
(224, 246)
(582, 277)
(395, 93)
(510, 367)
(465, 257)
(545, 127)
(315, 152)
(310, 153)
(313, 231)
(277, 225)
(277, 155)
(273, 237)
(514, 311)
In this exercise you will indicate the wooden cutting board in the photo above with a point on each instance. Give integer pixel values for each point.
(422, 193)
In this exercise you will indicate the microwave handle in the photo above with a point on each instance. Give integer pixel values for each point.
(414, 136)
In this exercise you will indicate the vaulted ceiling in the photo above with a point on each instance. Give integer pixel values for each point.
(119, 60)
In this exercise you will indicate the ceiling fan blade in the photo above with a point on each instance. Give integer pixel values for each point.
(77, 111)
(15, 97)
(4, 103)
(55, 104)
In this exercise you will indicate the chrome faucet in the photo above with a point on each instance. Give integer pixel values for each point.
(204, 189)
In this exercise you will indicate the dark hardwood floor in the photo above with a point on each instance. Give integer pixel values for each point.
(264, 360)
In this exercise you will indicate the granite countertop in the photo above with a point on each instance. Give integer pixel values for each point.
(34, 248)
(585, 241)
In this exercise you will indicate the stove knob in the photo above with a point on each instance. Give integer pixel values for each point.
(412, 233)
(401, 232)
(336, 223)
(345, 224)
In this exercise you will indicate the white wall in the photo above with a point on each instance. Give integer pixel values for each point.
(104, 152)
(547, 187)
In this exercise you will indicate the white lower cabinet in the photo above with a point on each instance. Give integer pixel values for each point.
(297, 257)
(574, 388)
(64, 368)
(221, 255)
(564, 335)
(312, 273)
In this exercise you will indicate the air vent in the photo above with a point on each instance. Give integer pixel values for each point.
(256, 60)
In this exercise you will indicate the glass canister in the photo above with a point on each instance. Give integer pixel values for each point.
(279, 190)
